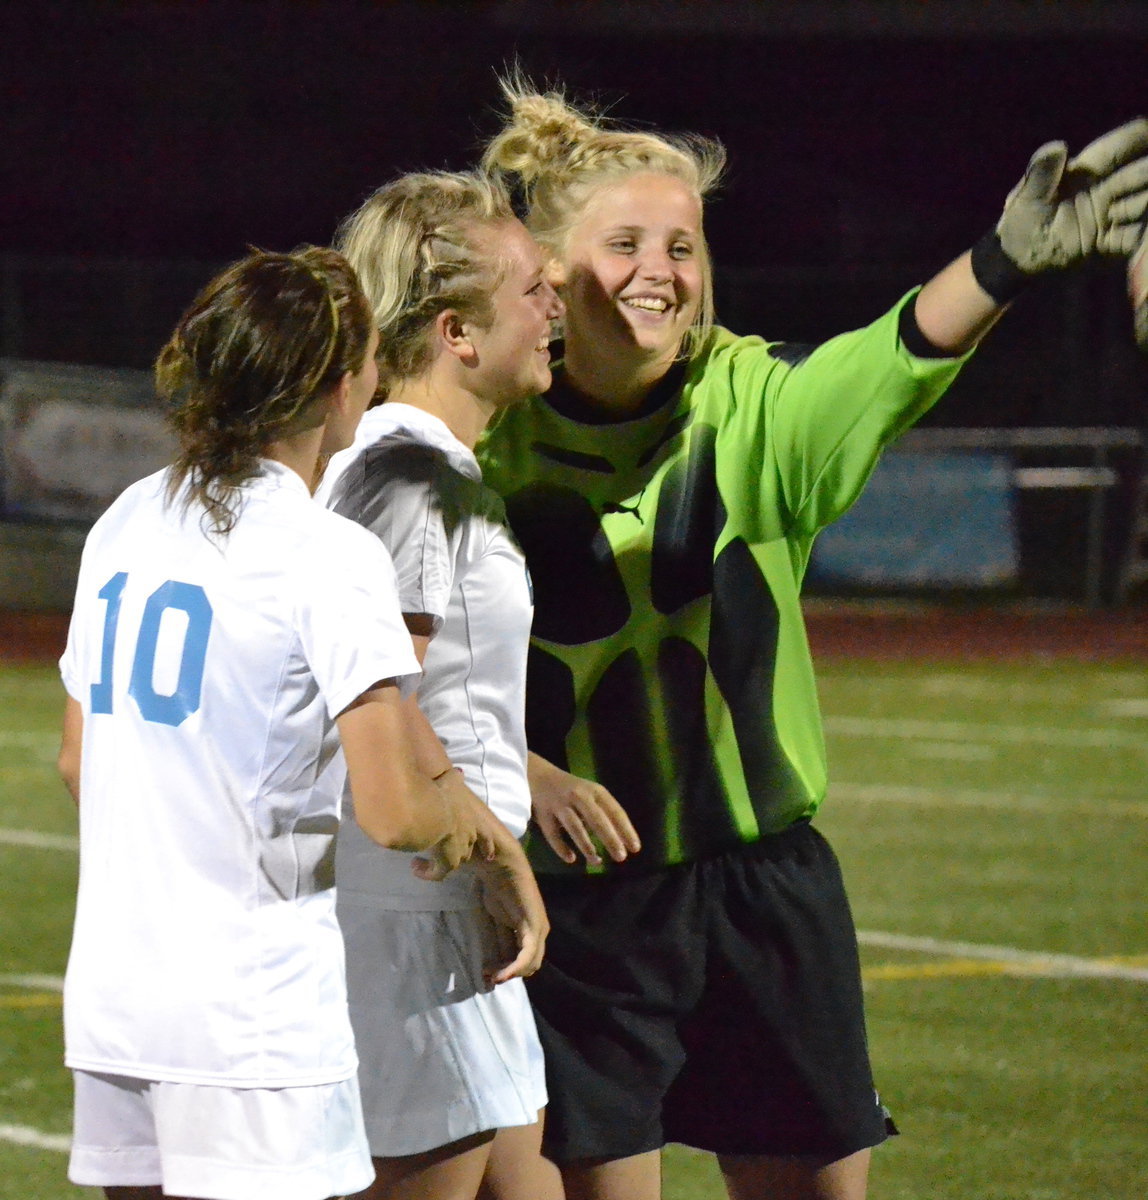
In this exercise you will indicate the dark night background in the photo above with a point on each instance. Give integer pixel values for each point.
(142, 144)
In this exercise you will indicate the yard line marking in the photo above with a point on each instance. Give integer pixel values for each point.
(971, 731)
(38, 841)
(1012, 960)
(39, 983)
(876, 793)
(957, 968)
(32, 1000)
(23, 1135)
(1130, 707)
(39, 991)
(954, 751)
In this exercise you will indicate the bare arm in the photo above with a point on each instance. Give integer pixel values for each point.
(510, 892)
(953, 311)
(396, 801)
(71, 740)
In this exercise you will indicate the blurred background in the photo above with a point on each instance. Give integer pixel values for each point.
(144, 144)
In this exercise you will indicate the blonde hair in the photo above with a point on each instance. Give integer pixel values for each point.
(560, 155)
(417, 247)
(263, 341)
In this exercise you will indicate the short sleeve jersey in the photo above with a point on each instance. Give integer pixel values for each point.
(669, 658)
(209, 672)
(414, 485)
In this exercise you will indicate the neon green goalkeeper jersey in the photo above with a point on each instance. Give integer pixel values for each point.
(669, 658)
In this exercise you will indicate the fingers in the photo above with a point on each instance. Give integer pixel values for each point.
(583, 816)
(1113, 149)
(1138, 272)
(555, 834)
(523, 965)
(1138, 292)
(433, 871)
(618, 836)
(1129, 180)
(1043, 175)
(1120, 205)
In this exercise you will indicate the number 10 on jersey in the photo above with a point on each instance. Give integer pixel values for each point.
(175, 708)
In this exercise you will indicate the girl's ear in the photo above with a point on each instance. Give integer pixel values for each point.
(454, 334)
(341, 395)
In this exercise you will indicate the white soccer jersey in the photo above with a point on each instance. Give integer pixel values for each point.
(419, 489)
(210, 672)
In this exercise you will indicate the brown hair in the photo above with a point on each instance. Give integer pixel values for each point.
(416, 246)
(559, 155)
(263, 341)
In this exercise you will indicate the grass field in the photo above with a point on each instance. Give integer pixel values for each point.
(991, 819)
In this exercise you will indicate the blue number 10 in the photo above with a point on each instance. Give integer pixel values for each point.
(165, 710)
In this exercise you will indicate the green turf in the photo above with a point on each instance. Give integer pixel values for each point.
(998, 805)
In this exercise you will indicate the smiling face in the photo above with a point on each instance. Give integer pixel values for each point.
(512, 353)
(635, 263)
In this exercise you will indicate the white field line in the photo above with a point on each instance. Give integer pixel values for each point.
(1026, 962)
(969, 731)
(876, 793)
(22, 1135)
(38, 841)
(34, 983)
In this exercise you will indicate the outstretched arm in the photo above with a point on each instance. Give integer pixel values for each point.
(1060, 213)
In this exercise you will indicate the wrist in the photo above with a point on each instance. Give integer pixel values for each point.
(996, 274)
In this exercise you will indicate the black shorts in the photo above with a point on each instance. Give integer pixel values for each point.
(716, 1003)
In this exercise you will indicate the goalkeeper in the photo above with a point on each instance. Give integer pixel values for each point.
(667, 492)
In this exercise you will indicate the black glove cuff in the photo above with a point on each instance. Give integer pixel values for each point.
(997, 274)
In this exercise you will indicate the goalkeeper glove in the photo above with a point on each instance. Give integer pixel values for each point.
(1062, 211)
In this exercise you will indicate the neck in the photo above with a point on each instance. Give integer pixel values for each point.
(615, 383)
(463, 413)
(300, 452)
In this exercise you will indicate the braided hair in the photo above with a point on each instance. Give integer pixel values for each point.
(247, 364)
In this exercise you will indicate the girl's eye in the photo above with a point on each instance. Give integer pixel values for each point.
(681, 250)
(623, 245)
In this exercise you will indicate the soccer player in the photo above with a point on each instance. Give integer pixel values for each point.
(228, 633)
(667, 492)
(450, 1067)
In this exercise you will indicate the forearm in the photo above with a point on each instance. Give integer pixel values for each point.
(71, 740)
(953, 311)
(397, 803)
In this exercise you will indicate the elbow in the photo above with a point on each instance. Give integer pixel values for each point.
(395, 823)
(68, 766)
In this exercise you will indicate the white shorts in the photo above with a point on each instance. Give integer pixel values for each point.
(219, 1143)
(441, 1056)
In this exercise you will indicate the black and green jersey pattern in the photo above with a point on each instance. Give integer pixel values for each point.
(669, 659)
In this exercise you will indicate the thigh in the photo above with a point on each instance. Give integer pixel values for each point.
(777, 1059)
(442, 1056)
(623, 965)
(516, 1169)
(796, 1178)
(451, 1172)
